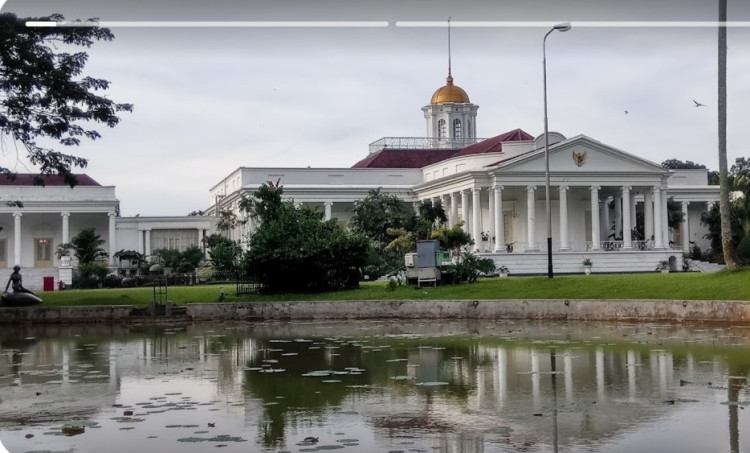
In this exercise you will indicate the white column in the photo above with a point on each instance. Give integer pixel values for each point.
(147, 233)
(328, 208)
(595, 237)
(112, 238)
(606, 224)
(491, 216)
(17, 238)
(709, 205)
(618, 216)
(685, 227)
(446, 207)
(465, 209)
(564, 218)
(141, 249)
(627, 228)
(65, 227)
(665, 219)
(499, 225)
(531, 219)
(476, 221)
(648, 215)
(454, 209)
(658, 235)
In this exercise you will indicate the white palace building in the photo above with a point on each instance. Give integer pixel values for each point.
(496, 186)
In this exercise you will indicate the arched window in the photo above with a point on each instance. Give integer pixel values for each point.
(457, 128)
(441, 128)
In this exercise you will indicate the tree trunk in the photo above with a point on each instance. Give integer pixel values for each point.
(724, 208)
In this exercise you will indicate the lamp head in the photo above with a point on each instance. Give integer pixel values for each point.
(565, 26)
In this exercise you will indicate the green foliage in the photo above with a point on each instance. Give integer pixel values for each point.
(226, 257)
(452, 238)
(391, 285)
(227, 221)
(403, 243)
(44, 95)
(471, 267)
(181, 261)
(429, 216)
(87, 246)
(674, 213)
(95, 271)
(676, 164)
(712, 220)
(214, 240)
(743, 249)
(377, 213)
(696, 253)
(294, 250)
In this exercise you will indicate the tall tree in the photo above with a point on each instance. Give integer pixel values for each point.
(44, 97)
(724, 207)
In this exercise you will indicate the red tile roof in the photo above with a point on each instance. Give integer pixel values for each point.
(404, 158)
(29, 179)
(419, 158)
(495, 144)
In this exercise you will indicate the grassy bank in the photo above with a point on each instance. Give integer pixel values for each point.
(725, 285)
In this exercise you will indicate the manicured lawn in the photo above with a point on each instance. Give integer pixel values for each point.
(725, 285)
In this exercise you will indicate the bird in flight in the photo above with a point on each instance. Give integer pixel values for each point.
(626, 112)
(698, 104)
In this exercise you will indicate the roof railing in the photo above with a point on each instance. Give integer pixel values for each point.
(421, 143)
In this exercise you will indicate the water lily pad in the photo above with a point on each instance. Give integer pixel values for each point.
(320, 373)
(219, 438)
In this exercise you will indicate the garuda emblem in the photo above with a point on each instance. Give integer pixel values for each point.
(579, 158)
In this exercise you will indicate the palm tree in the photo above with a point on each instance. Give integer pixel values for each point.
(227, 221)
(87, 246)
(724, 207)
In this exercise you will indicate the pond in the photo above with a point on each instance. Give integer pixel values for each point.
(366, 386)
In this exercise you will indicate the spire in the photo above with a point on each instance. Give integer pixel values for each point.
(449, 79)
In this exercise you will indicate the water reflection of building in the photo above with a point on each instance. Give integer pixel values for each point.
(486, 391)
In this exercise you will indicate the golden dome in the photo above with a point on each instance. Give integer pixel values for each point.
(450, 93)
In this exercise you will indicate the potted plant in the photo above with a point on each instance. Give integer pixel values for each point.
(587, 263)
(63, 253)
(502, 271)
(663, 266)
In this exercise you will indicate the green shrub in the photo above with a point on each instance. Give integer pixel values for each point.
(471, 267)
(696, 253)
(294, 250)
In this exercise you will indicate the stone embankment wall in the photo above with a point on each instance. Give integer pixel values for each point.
(580, 310)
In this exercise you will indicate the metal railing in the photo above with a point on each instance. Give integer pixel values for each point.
(422, 143)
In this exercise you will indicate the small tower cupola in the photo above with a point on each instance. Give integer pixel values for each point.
(450, 115)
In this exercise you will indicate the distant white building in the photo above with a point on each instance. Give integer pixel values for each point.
(496, 186)
(54, 213)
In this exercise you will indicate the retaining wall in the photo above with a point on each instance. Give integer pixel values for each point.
(584, 310)
(580, 310)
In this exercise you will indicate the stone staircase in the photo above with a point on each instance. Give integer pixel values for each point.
(705, 266)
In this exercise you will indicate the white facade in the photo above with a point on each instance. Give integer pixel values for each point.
(599, 195)
(53, 214)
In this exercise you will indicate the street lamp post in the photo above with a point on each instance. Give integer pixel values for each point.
(559, 27)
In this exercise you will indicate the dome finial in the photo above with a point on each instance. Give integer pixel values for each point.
(450, 77)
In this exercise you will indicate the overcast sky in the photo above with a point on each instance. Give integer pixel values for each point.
(210, 100)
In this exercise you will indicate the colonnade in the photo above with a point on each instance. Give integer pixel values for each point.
(65, 219)
(654, 202)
